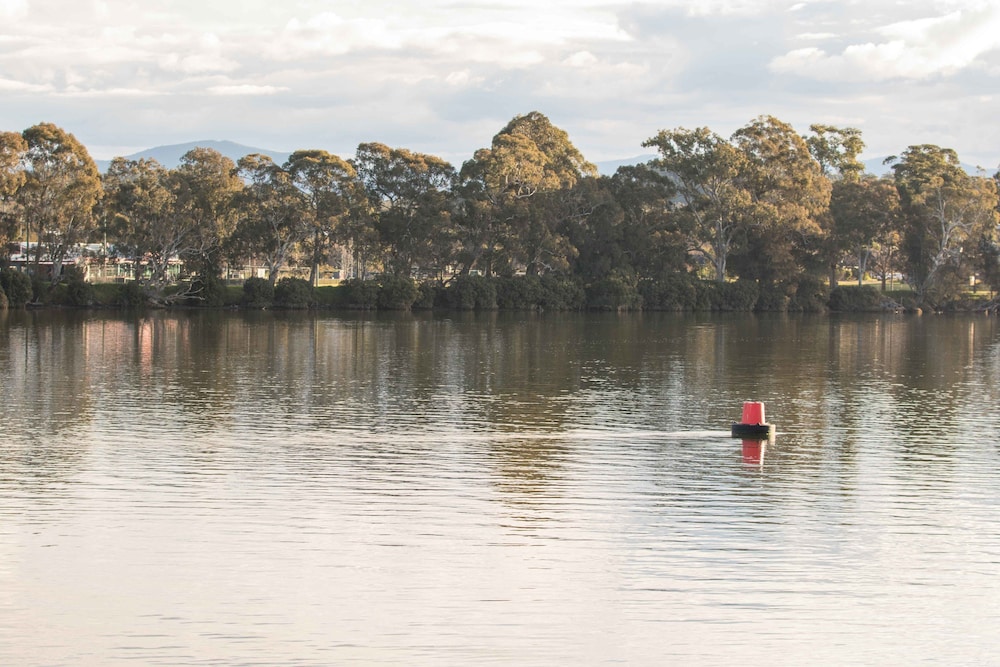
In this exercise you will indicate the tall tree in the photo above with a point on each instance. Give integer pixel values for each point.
(139, 194)
(272, 214)
(331, 190)
(836, 149)
(708, 173)
(512, 215)
(885, 260)
(943, 208)
(534, 158)
(651, 236)
(788, 192)
(61, 189)
(12, 149)
(493, 190)
(205, 185)
(409, 203)
(863, 212)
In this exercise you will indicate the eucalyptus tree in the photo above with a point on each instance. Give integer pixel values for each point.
(517, 201)
(945, 212)
(708, 175)
(330, 187)
(272, 216)
(12, 150)
(62, 186)
(624, 234)
(650, 235)
(493, 190)
(409, 206)
(836, 149)
(205, 185)
(865, 213)
(139, 197)
(886, 260)
(788, 193)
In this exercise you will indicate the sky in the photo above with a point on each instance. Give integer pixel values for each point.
(444, 76)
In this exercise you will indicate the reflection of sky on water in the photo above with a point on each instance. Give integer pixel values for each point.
(189, 488)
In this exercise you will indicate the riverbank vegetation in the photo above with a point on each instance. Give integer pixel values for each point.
(766, 219)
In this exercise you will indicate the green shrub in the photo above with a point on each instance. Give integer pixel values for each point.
(357, 293)
(106, 294)
(518, 292)
(331, 296)
(17, 287)
(131, 295)
(614, 292)
(294, 293)
(258, 293)
(208, 291)
(396, 293)
(808, 294)
(40, 287)
(562, 293)
(79, 293)
(773, 298)
(72, 289)
(429, 295)
(675, 292)
(3, 300)
(855, 298)
(741, 295)
(472, 293)
(56, 295)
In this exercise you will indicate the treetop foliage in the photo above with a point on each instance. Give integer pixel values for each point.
(766, 206)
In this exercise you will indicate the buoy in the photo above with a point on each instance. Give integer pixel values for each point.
(753, 424)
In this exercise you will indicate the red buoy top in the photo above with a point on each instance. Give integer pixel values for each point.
(753, 413)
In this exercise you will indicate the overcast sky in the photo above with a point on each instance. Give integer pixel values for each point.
(443, 76)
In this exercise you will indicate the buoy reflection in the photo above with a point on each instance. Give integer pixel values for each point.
(753, 451)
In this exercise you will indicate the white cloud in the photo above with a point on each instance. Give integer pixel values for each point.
(198, 63)
(611, 72)
(13, 86)
(816, 36)
(581, 59)
(13, 9)
(463, 78)
(330, 34)
(915, 49)
(99, 93)
(739, 7)
(245, 89)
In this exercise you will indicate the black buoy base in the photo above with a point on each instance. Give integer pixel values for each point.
(762, 431)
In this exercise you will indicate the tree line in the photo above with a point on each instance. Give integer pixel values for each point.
(765, 217)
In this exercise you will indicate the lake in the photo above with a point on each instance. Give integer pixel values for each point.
(208, 488)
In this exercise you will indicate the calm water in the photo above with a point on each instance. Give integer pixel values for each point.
(256, 489)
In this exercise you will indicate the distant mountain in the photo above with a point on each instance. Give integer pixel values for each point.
(875, 166)
(872, 165)
(609, 167)
(170, 156)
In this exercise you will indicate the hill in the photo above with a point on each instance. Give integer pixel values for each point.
(875, 166)
(872, 166)
(170, 156)
(609, 167)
